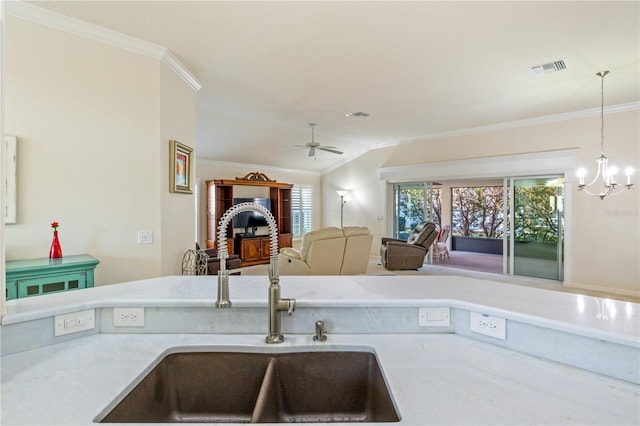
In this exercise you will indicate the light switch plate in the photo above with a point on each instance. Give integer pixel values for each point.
(437, 316)
(145, 237)
(74, 322)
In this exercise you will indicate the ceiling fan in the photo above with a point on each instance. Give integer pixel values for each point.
(313, 145)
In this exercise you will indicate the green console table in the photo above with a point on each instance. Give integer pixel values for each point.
(33, 277)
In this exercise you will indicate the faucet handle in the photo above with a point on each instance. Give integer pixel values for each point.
(320, 332)
(292, 306)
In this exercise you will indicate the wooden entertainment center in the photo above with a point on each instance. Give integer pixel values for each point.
(253, 250)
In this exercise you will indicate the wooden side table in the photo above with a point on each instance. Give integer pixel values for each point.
(33, 277)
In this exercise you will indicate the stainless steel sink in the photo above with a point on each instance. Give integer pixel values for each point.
(241, 387)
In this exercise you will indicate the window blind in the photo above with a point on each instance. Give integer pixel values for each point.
(302, 209)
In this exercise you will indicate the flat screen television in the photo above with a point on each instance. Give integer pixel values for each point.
(251, 220)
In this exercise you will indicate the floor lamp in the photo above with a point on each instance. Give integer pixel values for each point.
(342, 194)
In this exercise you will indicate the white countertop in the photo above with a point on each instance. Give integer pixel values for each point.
(434, 378)
(611, 320)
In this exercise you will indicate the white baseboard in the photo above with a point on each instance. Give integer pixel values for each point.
(612, 290)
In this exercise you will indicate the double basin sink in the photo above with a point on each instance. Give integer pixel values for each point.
(251, 387)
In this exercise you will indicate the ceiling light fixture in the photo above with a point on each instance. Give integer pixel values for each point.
(606, 173)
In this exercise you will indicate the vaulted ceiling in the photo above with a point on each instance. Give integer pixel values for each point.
(420, 68)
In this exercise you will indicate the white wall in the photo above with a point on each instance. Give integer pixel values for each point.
(93, 123)
(605, 240)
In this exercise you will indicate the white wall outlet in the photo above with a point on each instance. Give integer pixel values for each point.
(488, 325)
(128, 317)
(436, 316)
(73, 322)
(145, 237)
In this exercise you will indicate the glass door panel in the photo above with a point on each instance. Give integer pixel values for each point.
(413, 204)
(409, 211)
(536, 227)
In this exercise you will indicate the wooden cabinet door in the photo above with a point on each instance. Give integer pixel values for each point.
(285, 240)
(266, 247)
(250, 249)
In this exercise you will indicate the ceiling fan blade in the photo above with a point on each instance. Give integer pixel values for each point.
(324, 148)
(312, 152)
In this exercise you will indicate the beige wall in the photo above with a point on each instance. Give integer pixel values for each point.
(366, 203)
(605, 239)
(177, 219)
(93, 124)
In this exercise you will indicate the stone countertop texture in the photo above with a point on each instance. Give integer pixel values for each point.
(443, 376)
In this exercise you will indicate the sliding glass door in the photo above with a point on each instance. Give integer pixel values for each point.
(414, 203)
(534, 242)
(536, 227)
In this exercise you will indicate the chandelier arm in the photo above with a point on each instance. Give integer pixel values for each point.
(602, 111)
(600, 172)
(612, 190)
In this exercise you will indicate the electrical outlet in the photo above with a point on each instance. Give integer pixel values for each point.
(74, 322)
(145, 237)
(434, 317)
(128, 317)
(488, 325)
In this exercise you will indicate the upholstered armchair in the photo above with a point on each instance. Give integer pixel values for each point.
(399, 255)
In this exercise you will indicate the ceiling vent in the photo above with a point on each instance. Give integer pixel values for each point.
(550, 67)
(358, 114)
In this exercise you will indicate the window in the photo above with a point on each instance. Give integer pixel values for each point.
(302, 209)
(477, 211)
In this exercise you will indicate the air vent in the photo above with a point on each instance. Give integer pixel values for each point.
(550, 67)
(358, 114)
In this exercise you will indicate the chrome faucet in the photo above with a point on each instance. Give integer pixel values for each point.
(321, 335)
(276, 303)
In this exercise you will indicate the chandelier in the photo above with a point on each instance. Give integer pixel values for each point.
(608, 184)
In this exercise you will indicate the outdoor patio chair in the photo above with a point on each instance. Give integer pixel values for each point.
(440, 249)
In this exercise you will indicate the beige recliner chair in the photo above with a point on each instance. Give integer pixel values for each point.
(399, 255)
(328, 251)
(357, 250)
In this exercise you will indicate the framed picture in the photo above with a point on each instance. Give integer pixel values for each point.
(181, 168)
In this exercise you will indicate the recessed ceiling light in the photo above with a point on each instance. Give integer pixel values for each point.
(358, 114)
(550, 67)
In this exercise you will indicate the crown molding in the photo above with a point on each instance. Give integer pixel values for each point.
(536, 121)
(613, 109)
(171, 61)
(527, 164)
(38, 15)
(254, 166)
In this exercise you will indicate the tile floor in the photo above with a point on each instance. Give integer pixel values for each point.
(473, 265)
